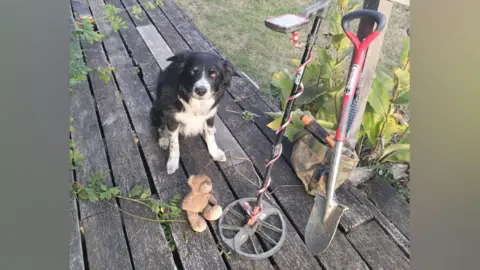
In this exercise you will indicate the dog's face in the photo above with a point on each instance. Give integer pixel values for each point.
(203, 74)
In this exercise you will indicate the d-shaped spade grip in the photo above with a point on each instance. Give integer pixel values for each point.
(376, 16)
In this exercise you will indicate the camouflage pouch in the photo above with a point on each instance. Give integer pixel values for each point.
(311, 161)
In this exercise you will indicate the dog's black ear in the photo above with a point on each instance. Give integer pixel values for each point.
(180, 57)
(229, 71)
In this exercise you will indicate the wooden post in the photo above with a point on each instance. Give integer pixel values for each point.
(366, 27)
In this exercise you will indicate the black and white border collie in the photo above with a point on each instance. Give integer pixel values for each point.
(187, 95)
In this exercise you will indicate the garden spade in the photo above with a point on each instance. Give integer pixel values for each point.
(326, 212)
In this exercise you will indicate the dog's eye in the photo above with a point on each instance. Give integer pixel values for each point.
(213, 75)
(193, 71)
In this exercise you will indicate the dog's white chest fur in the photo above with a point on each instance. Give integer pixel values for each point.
(192, 119)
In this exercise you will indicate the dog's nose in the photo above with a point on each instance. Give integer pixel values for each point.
(201, 90)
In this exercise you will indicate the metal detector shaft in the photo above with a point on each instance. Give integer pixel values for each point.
(295, 89)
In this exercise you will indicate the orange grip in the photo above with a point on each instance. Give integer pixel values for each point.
(306, 120)
(330, 141)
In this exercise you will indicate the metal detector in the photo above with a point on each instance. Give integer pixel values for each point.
(248, 219)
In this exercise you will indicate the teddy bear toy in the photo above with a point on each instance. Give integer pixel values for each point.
(198, 201)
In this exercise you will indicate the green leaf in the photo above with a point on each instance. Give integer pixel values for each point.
(103, 187)
(92, 198)
(379, 98)
(275, 124)
(392, 128)
(150, 5)
(103, 195)
(341, 43)
(324, 57)
(334, 21)
(115, 191)
(354, 7)
(282, 84)
(402, 80)
(384, 80)
(405, 54)
(403, 98)
(145, 194)
(396, 153)
(371, 124)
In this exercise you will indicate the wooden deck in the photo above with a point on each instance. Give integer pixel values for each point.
(113, 131)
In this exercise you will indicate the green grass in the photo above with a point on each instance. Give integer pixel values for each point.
(236, 27)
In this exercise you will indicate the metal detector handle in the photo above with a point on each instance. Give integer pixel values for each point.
(314, 10)
(376, 16)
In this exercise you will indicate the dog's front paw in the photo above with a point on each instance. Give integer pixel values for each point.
(164, 142)
(172, 165)
(218, 155)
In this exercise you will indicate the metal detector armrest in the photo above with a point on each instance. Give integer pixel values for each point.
(315, 9)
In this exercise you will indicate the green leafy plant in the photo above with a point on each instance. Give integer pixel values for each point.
(104, 74)
(118, 23)
(85, 30)
(111, 17)
(76, 157)
(384, 131)
(97, 190)
(324, 77)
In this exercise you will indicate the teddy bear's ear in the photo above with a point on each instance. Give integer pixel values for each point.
(190, 180)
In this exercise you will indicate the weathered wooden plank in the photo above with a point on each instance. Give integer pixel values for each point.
(386, 198)
(339, 254)
(166, 29)
(377, 248)
(373, 54)
(360, 175)
(156, 44)
(196, 250)
(148, 67)
(131, 37)
(197, 160)
(357, 214)
(396, 235)
(76, 252)
(295, 201)
(118, 56)
(147, 240)
(102, 225)
(105, 242)
(80, 9)
(194, 40)
(227, 143)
